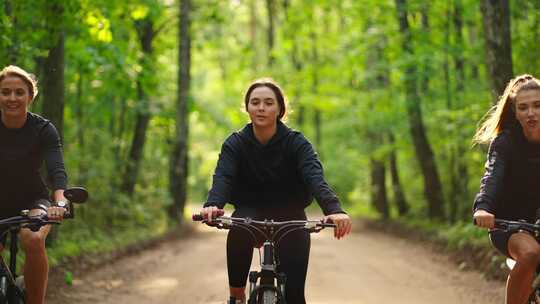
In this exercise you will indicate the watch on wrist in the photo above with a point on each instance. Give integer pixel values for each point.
(62, 204)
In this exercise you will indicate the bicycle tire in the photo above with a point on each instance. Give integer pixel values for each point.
(268, 297)
(20, 290)
(3, 290)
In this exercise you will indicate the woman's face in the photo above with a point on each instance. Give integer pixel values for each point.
(14, 97)
(263, 107)
(527, 111)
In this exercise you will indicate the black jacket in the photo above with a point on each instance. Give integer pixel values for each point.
(283, 174)
(510, 187)
(22, 153)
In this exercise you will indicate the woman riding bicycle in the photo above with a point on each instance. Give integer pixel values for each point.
(269, 171)
(510, 187)
(26, 141)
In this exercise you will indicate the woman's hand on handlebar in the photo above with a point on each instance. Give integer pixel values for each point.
(55, 213)
(484, 219)
(343, 224)
(211, 212)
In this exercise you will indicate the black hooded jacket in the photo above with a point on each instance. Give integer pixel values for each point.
(283, 174)
(510, 187)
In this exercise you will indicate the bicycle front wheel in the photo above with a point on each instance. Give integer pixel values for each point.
(3, 290)
(268, 297)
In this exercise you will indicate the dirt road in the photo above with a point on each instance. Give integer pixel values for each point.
(367, 267)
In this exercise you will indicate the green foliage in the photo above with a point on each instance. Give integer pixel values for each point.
(342, 59)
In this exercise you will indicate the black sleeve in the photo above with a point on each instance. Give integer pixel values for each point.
(224, 176)
(311, 171)
(53, 156)
(492, 181)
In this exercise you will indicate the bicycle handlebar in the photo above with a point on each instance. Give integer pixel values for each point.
(26, 221)
(517, 225)
(266, 223)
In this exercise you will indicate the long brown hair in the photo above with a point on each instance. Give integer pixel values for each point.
(270, 83)
(501, 116)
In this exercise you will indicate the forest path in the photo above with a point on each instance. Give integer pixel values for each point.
(366, 267)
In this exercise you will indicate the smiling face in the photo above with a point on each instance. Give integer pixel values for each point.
(527, 110)
(263, 107)
(14, 97)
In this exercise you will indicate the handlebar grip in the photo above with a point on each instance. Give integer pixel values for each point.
(198, 217)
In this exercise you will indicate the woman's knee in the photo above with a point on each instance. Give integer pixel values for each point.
(525, 250)
(33, 242)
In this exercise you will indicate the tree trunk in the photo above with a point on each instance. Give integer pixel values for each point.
(427, 63)
(459, 169)
(53, 85)
(378, 188)
(146, 35)
(397, 189)
(53, 79)
(496, 20)
(253, 36)
(179, 159)
(424, 154)
(80, 128)
(270, 7)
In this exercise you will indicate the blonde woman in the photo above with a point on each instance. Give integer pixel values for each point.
(27, 141)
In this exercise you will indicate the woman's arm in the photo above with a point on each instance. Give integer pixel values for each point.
(495, 168)
(312, 174)
(224, 176)
(54, 162)
(54, 158)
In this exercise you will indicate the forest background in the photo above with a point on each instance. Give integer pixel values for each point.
(389, 92)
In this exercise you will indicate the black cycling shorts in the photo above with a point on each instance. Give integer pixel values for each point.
(10, 211)
(499, 239)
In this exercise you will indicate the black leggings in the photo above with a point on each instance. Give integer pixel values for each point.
(293, 257)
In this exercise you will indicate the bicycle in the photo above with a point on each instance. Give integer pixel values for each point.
(12, 290)
(270, 288)
(534, 230)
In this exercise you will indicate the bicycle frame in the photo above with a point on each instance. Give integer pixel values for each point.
(10, 291)
(8, 272)
(270, 280)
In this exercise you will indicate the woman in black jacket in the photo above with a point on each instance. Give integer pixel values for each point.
(27, 140)
(267, 170)
(510, 187)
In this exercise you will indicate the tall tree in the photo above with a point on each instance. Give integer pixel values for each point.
(378, 186)
(179, 158)
(270, 8)
(53, 67)
(146, 35)
(496, 20)
(397, 189)
(424, 153)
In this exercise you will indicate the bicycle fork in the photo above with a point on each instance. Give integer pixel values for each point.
(268, 274)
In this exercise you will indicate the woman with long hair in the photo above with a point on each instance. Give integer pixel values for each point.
(510, 187)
